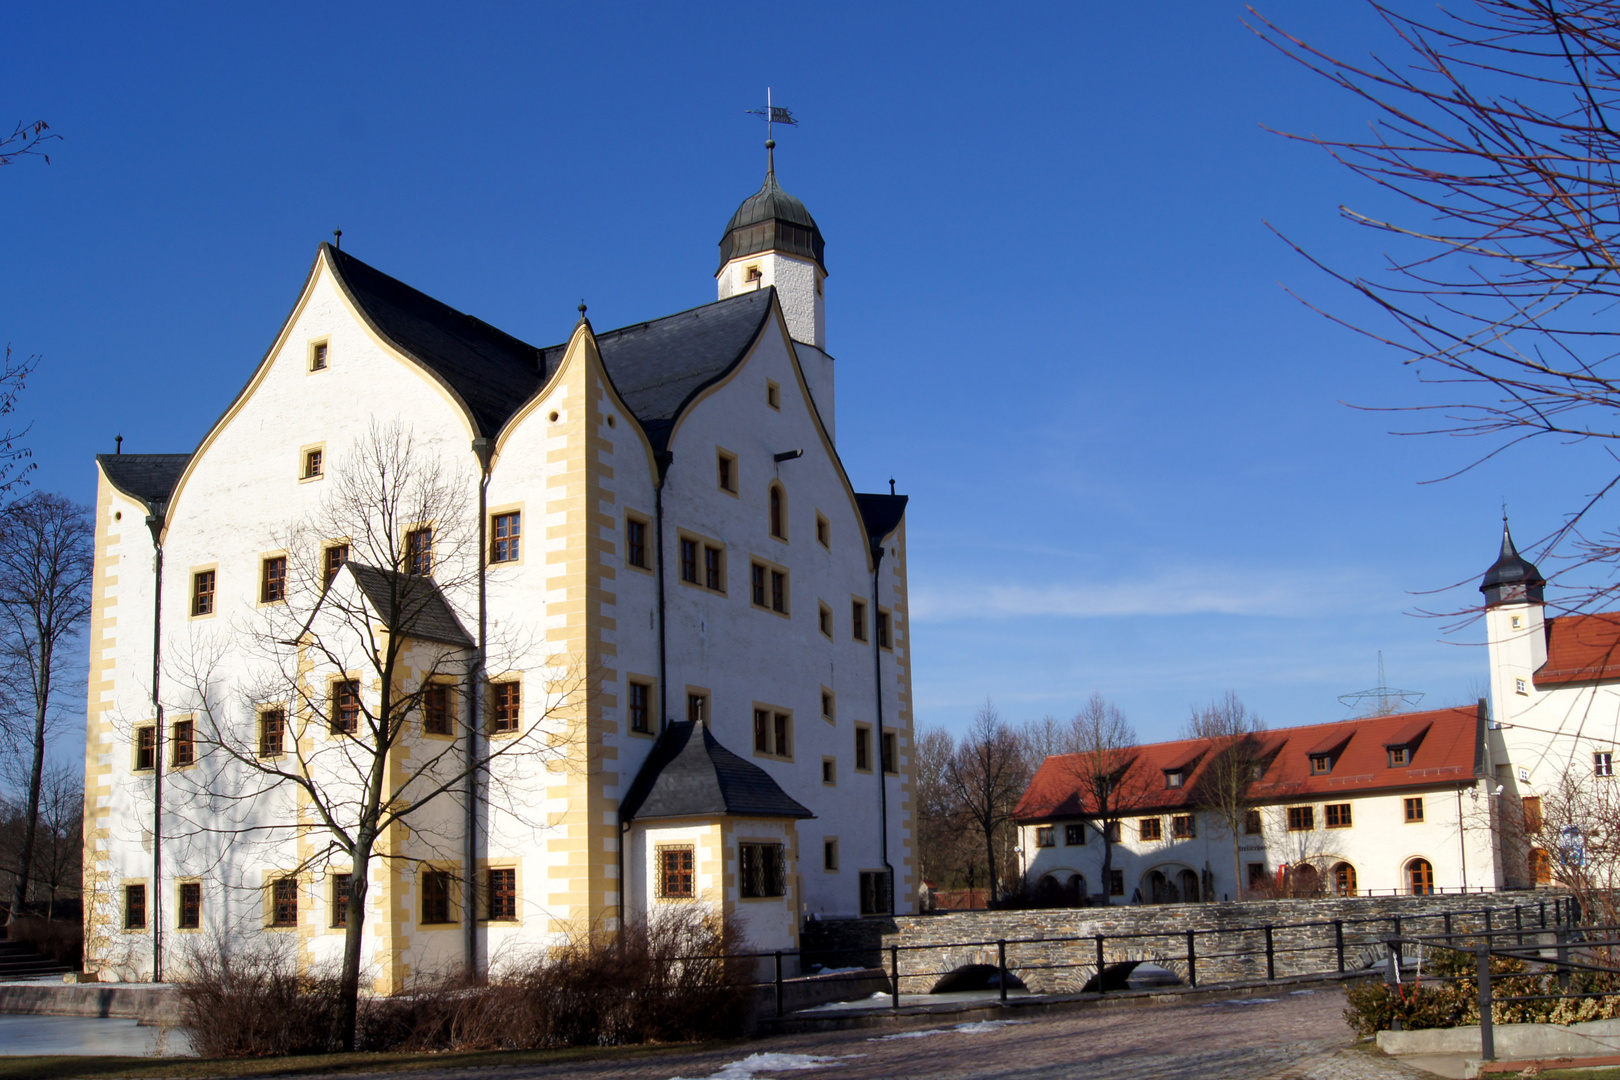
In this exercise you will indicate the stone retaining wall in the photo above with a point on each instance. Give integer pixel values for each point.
(1229, 938)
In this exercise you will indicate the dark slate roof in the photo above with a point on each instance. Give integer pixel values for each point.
(697, 777)
(426, 613)
(772, 220)
(147, 477)
(881, 513)
(492, 371)
(1510, 567)
(658, 366)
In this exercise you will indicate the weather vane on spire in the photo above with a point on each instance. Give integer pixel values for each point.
(772, 114)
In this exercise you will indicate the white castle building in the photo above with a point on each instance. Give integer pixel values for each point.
(672, 599)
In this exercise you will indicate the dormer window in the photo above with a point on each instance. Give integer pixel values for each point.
(1399, 757)
(1256, 771)
(1321, 764)
(1174, 778)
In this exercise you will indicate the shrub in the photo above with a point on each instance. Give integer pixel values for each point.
(60, 939)
(675, 979)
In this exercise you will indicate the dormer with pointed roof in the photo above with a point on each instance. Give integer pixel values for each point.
(1512, 579)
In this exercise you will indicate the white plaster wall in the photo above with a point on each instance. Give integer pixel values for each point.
(800, 287)
(1457, 840)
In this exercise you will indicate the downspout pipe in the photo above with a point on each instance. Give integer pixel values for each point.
(484, 449)
(154, 522)
(877, 675)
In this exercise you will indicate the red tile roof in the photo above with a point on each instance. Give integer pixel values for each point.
(1581, 648)
(1446, 756)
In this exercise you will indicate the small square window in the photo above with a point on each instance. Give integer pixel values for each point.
(507, 538)
(1603, 763)
(503, 894)
(314, 464)
(1074, 835)
(1520, 686)
(1149, 828)
(202, 592)
(762, 869)
(1174, 778)
(1517, 622)
(829, 771)
(272, 733)
(1183, 826)
(1399, 757)
(676, 875)
(1321, 764)
(507, 706)
(317, 356)
(1043, 836)
(436, 714)
(641, 708)
(829, 854)
(273, 579)
(1301, 818)
(1414, 809)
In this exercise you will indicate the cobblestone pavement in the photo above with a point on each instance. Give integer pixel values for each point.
(1294, 1037)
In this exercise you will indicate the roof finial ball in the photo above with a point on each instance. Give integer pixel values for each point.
(582, 310)
(337, 239)
(1512, 579)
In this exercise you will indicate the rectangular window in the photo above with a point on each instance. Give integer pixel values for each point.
(1398, 757)
(508, 537)
(1338, 815)
(508, 705)
(824, 619)
(314, 461)
(726, 465)
(1532, 813)
(134, 907)
(1043, 836)
(503, 894)
(1321, 764)
(641, 708)
(1301, 818)
(145, 748)
(1174, 778)
(1414, 809)
(782, 728)
(676, 879)
(1074, 835)
(857, 620)
(773, 395)
(1183, 826)
(883, 630)
(829, 854)
(762, 731)
(436, 896)
(1149, 828)
(773, 733)
(185, 743)
(273, 579)
(829, 771)
(778, 591)
(190, 914)
(1251, 823)
(436, 718)
(863, 749)
(1257, 875)
(875, 894)
(346, 706)
(284, 902)
(202, 593)
(1519, 685)
(697, 707)
(1116, 883)
(689, 560)
(1602, 763)
(341, 884)
(336, 556)
(823, 532)
(419, 551)
(272, 732)
(828, 706)
(756, 584)
(891, 753)
(1112, 831)
(317, 356)
(713, 577)
(635, 542)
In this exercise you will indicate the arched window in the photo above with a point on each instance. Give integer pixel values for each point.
(778, 513)
(1419, 877)
(1344, 879)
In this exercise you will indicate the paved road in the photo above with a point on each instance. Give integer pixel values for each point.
(1293, 1037)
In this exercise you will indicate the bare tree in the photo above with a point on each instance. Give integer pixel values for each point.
(59, 844)
(46, 560)
(1496, 129)
(1102, 751)
(1233, 759)
(26, 140)
(355, 665)
(987, 775)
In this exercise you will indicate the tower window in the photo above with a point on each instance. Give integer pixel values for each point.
(314, 463)
(753, 273)
(317, 356)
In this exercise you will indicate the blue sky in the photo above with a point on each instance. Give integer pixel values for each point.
(1059, 317)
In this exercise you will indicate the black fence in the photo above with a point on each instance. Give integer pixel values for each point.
(1101, 964)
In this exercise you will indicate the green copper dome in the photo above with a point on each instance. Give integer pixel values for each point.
(772, 220)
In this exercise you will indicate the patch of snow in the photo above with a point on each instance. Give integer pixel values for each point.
(749, 1067)
(909, 1034)
(1241, 1001)
(1297, 993)
(984, 1027)
(835, 971)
